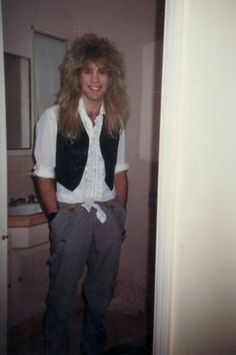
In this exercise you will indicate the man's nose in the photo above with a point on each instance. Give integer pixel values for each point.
(95, 75)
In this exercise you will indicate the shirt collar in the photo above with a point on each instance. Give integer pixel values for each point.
(82, 107)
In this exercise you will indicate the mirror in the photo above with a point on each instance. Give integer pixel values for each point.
(49, 52)
(18, 103)
(48, 55)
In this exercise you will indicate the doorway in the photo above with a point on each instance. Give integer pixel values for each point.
(139, 164)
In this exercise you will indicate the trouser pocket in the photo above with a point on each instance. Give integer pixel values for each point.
(119, 212)
(57, 239)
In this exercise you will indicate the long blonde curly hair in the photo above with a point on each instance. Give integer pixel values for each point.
(88, 48)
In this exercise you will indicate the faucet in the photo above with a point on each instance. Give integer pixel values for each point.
(31, 199)
(17, 201)
(22, 200)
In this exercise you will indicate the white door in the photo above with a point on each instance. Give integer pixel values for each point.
(3, 204)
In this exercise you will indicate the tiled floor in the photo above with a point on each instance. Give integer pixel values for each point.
(126, 336)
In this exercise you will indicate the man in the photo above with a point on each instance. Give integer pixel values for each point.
(81, 175)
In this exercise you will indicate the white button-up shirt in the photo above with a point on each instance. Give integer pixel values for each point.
(92, 186)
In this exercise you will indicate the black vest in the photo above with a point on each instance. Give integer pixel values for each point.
(71, 158)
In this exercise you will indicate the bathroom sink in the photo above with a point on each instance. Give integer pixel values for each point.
(24, 210)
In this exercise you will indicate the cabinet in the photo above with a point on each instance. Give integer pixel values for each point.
(28, 271)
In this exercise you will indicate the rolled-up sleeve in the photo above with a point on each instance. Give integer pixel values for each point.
(45, 144)
(121, 164)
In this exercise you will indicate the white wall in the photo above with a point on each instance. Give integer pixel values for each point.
(202, 316)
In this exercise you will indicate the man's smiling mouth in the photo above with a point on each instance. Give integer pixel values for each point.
(95, 88)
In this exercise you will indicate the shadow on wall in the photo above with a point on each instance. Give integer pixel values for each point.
(152, 198)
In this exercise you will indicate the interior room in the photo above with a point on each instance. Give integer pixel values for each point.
(195, 279)
(32, 32)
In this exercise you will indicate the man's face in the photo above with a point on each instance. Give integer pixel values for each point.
(94, 82)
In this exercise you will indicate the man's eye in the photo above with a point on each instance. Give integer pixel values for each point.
(103, 71)
(86, 71)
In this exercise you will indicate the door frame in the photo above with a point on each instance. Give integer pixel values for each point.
(3, 199)
(170, 100)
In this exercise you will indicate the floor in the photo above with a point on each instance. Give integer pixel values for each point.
(127, 335)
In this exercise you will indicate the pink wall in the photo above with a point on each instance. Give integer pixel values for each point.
(131, 24)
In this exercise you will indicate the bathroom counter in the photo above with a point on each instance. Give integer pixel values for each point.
(28, 252)
(27, 220)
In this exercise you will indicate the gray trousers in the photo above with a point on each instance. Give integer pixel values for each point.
(78, 239)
